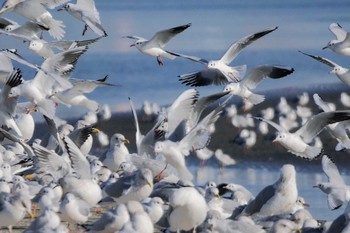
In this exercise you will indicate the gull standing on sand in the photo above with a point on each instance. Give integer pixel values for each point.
(341, 72)
(36, 11)
(117, 152)
(85, 10)
(219, 72)
(255, 76)
(275, 199)
(341, 45)
(156, 45)
(336, 189)
(74, 210)
(189, 209)
(224, 159)
(297, 142)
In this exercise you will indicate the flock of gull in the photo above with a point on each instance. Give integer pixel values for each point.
(59, 181)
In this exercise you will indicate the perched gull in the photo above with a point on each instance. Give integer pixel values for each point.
(224, 159)
(135, 187)
(73, 209)
(297, 142)
(218, 71)
(112, 220)
(336, 189)
(341, 44)
(189, 209)
(139, 220)
(154, 208)
(255, 76)
(284, 226)
(277, 198)
(155, 46)
(341, 72)
(85, 10)
(37, 12)
(117, 152)
(336, 130)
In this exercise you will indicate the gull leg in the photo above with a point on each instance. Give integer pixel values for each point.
(159, 60)
(85, 28)
(159, 175)
(245, 104)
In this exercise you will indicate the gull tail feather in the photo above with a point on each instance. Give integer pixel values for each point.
(343, 145)
(256, 99)
(239, 71)
(56, 29)
(313, 152)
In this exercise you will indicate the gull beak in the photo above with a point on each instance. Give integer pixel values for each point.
(315, 186)
(217, 197)
(61, 9)
(325, 47)
(95, 130)
(132, 45)
(126, 141)
(332, 71)
(306, 205)
(31, 110)
(150, 184)
(31, 214)
(30, 176)
(275, 140)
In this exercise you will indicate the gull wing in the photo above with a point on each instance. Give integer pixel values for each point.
(139, 136)
(332, 172)
(321, 104)
(259, 73)
(237, 46)
(204, 78)
(192, 58)
(87, 86)
(322, 60)
(161, 38)
(338, 31)
(273, 124)
(317, 122)
(80, 164)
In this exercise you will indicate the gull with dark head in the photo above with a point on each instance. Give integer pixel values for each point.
(219, 72)
(340, 45)
(297, 142)
(156, 45)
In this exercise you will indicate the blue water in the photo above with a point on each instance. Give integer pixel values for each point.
(303, 25)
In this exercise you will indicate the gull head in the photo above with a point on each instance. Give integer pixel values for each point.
(8, 5)
(10, 27)
(281, 137)
(66, 7)
(212, 64)
(119, 139)
(288, 172)
(35, 45)
(330, 44)
(233, 88)
(14, 92)
(158, 147)
(336, 70)
(138, 43)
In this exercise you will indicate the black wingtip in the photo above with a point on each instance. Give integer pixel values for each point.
(15, 78)
(103, 79)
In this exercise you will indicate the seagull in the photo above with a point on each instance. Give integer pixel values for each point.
(341, 72)
(189, 209)
(341, 45)
(336, 189)
(277, 198)
(117, 152)
(284, 226)
(336, 130)
(85, 10)
(45, 49)
(73, 209)
(255, 76)
(155, 46)
(26, 32)
(75, 96)
(219, 72)
(112, 220)
(36, 11)
(297, 142)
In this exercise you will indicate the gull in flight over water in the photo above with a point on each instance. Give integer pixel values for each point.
(297, 142)
(255, 76)
(85, 10)
(341, 45)
(342, 73)
(219, 72)
(155, 46)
